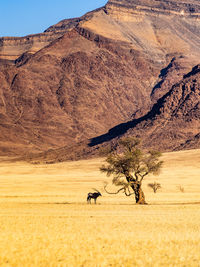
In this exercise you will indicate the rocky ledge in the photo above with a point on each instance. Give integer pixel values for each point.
(176, 7)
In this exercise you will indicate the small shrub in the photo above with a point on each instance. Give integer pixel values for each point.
(155, 186)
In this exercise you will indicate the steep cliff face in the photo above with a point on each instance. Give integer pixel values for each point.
(83, 76)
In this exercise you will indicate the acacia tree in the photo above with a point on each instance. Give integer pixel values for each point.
(129, 165)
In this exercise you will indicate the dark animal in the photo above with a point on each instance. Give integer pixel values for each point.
(94, 195)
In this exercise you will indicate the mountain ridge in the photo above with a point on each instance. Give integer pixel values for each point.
(178, 7)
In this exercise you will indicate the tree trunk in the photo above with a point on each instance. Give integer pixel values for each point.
(139, 194)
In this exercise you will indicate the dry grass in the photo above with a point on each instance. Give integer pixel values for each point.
(45, 221)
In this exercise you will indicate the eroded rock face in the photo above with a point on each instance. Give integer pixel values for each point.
(13, 47)
(172, 123)
(111, 67)
(67, 92)
(175, 119)
(178, 7)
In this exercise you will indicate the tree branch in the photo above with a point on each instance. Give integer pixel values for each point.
(129, 193)
(143, 175)
(113, 193)
(124, 189)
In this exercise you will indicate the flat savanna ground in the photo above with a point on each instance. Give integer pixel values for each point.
(45, 220)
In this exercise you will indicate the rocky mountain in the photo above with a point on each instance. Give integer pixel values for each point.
(171, 124)
(173, 121)
(124, 69)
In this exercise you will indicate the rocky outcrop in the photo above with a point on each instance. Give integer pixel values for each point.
(13, 47)
(67, 24)
(173, 121)
(183, 8)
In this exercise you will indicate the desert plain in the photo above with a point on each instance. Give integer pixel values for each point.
(45, 220)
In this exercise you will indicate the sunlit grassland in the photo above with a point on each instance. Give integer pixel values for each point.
(45, 220)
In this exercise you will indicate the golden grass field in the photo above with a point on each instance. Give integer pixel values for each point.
(45, 221)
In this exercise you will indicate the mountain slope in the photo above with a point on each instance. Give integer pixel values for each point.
(68, 92)
(173, 123)
(83, 76)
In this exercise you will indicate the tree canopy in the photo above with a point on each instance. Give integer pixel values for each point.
(129, 165)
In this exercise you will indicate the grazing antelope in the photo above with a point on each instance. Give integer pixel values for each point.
(94, 195)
